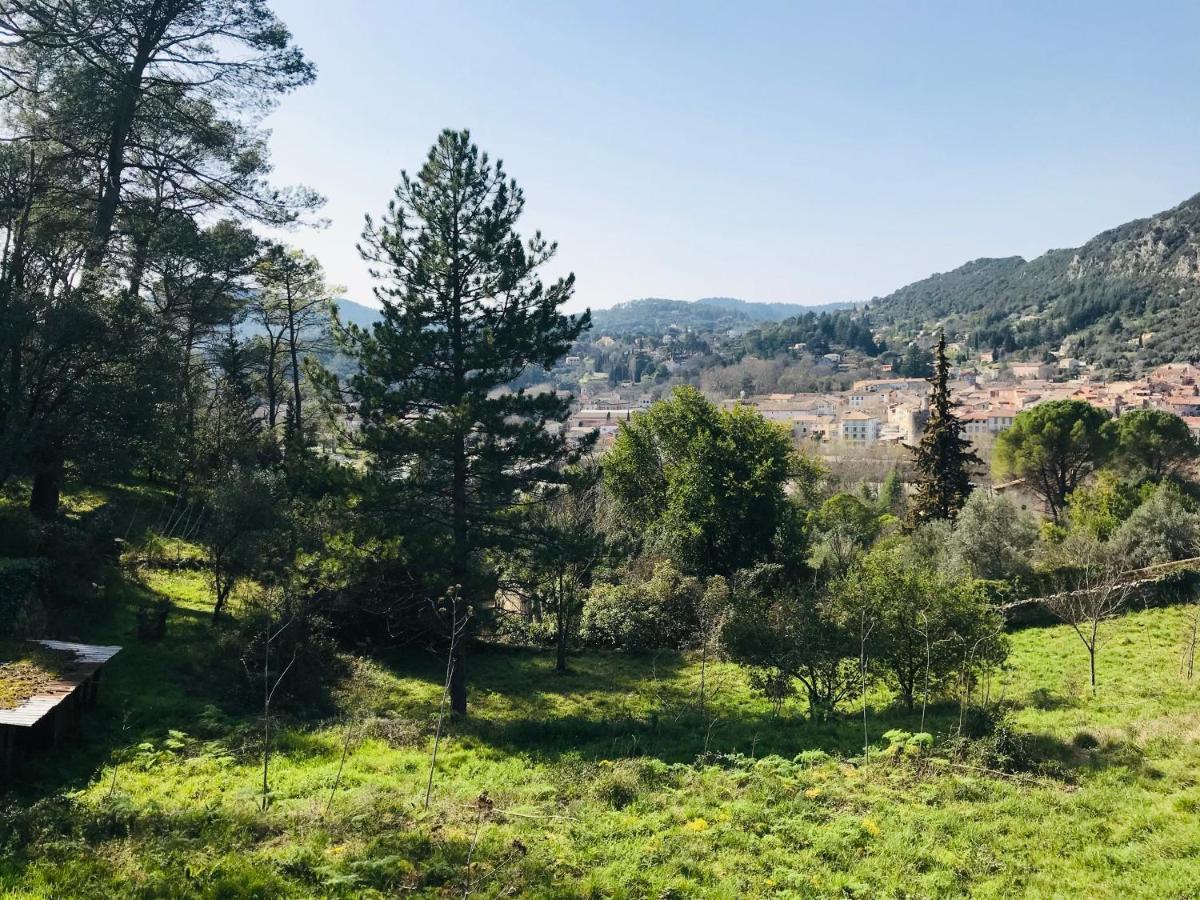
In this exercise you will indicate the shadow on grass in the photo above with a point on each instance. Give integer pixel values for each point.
(192, 681)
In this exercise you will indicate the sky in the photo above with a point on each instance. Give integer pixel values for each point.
(796, 152)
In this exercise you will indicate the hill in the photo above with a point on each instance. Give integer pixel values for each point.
(1127, 299)
(654, 315)
(353, 313)
(605, 781)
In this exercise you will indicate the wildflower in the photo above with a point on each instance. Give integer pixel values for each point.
(696, 825)
(870, 827)
(812, 792)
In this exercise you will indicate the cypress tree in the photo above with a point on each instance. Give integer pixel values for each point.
(944, 458)
(465, 313)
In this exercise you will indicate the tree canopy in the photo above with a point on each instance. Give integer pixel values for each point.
(708, 486)
(1054, 446)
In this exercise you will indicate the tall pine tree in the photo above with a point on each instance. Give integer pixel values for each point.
(944, 458)
(464, 314)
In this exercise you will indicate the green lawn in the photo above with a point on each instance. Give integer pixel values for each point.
(592, 781)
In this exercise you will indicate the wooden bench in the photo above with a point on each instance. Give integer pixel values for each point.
(56, 710)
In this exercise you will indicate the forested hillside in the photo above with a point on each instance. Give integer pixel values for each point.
(1127, 299)
(655, 315)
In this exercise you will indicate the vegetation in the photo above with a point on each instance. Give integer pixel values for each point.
(1054, 447)
(701, 663)
(593, 782)
(1108, 302)
(944, 458)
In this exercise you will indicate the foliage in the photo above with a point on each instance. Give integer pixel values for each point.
(438, 426)
(1099, 507)
(1164, 528)
(992, 539)
(707, 486)
(785, 631)
(921, 629)
(845, 526)
(22, 592)
(552, 571)
(653, 606)
(243, 531)
(1054, 446)
(943, 459)
(1113, 303)
(1153, 444)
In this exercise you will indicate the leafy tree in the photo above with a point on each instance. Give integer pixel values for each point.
(786, 631)
(242, 530)
(651, 606)
(1153, 443)
(916, 363)
(943, 459)
(1165, 528)
(292, 307)
(707, 486)
(846, 527)
(143, 86)
(1054, 446)
(464, 314)
(553, 569)
(124, 119)
(992, 539)
(925, 629)
(1099, 507)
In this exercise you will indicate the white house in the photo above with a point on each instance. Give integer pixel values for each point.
(860, 428)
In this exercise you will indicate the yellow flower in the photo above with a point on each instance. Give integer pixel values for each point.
(813, 792)
(695, 825)
(870, 827)
(770, 882)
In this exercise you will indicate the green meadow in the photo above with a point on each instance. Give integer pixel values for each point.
(605, 782)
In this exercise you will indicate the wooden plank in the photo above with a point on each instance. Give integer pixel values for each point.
(89, 659)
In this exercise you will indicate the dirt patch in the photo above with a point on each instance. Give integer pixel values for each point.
(27, 668)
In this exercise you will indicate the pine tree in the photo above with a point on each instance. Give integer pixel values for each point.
(944, 458)
(464, 315)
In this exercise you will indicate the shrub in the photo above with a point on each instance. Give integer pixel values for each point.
(643, 613)
(811, 758)
(22, 593)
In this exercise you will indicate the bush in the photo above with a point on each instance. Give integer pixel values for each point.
(989, 739)
(22, 594)
(643, 614)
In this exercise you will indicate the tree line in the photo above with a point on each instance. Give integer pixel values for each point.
(426, 497)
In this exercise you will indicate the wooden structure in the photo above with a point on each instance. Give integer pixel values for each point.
(55, 711)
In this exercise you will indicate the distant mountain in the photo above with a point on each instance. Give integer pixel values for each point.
(654, 315)
(1127, 299)
(352, 313)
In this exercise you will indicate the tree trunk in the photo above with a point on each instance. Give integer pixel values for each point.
(297, 418)
(47, 481)
(458, 680)
(560, 657)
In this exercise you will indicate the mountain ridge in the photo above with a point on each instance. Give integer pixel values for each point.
(1127, 298)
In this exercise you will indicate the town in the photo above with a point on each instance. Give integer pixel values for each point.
(893, 411)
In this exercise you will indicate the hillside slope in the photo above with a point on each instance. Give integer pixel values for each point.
(654, 315)
(1127, 299)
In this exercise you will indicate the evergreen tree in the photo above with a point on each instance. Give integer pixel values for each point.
(464, 315)
(943, 459)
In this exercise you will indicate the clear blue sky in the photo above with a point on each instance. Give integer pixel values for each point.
(771, 151)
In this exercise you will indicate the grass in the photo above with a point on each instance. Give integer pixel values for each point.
(594, 784)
